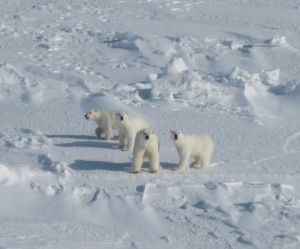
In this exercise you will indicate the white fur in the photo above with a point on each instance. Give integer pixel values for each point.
(146, 148)
(199, 146)
(128, 126)
(105, 120)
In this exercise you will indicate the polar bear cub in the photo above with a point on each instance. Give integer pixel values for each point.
(199, 146)
(146, 145)
(106, 122)
(128, 126)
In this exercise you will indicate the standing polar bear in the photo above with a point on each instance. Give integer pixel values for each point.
(106, 122)
(199, 146)
(128, 126)
(146, 145)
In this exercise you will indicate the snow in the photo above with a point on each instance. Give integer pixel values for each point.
(229, 68)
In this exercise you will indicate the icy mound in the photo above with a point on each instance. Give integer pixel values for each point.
(240, 90)
(176, 66)
(277, 41)
(269, 79)
(178, 82)
(233, 45)
(9, 176)
(255, 93)
(189, 86)
(242, 213)
(31, 179)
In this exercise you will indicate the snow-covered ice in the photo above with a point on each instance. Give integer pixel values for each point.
(227, 67)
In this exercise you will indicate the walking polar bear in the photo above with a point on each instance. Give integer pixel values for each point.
(146, 145)
(128, 126)
(106, 122)
(199, 146)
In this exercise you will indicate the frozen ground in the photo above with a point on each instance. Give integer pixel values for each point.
(226, 67)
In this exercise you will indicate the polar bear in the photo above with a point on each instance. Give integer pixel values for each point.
(106, 122)
(199, 146)
(128, 126)
(146, 145)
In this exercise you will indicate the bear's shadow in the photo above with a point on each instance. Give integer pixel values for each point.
(112, 166)
(168, 166)
(100, 165)
(71, 136)
(95, 144)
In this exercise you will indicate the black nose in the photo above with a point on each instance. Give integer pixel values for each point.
(121, 118)
(86, 116)
(147, 137)
(175, 136)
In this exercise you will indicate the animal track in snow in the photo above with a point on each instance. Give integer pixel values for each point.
(292, 143)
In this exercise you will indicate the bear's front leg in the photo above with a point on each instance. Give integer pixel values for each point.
(138, 159)
(183, 162)
(98, 132)
(154, 162)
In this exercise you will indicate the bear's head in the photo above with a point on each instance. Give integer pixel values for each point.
(176, 136)
(144, 136)
(121, 117)
(92, 115)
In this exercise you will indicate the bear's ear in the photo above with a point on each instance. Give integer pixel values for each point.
(121, 113)
(173, 132)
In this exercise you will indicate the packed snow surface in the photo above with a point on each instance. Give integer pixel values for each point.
(229, 68)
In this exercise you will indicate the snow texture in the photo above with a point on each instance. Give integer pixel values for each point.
(228, 68)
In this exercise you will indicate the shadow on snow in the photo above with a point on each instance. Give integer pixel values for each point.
(100, 165)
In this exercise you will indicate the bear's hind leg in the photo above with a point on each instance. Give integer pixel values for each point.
(197, 163)
(130, 142)
(108, 133)
(121, 141)
(206, 161)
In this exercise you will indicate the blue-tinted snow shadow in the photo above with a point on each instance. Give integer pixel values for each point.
(94, 144)
(71, 136)
(169, 166)
(113, 166)
(100, 165)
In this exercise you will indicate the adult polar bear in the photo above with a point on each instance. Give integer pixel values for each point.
(146, 145)
(128, 126)
(106, 122)
(199, 146)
